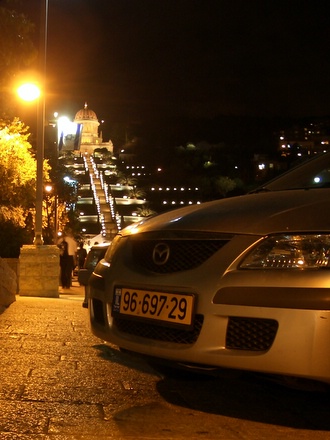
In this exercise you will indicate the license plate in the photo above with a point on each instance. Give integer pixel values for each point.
(173, 308)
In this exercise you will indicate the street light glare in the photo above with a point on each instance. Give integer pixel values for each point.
(28, 92)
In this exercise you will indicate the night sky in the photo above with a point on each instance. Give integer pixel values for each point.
(150, 60)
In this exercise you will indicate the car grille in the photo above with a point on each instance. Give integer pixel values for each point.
(159, 332)
(183, 254)
(252, 334)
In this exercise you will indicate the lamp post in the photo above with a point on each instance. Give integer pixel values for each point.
(34, 279)
(41, 122)
(30, 92)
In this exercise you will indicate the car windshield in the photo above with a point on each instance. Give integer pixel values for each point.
(94, 256)
(313, 173)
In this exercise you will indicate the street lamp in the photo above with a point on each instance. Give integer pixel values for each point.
(30, 92)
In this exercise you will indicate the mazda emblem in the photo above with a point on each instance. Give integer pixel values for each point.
(161, 254)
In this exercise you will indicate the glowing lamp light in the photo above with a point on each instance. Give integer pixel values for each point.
(28, 92)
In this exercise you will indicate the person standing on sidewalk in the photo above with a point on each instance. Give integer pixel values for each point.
(68, 250)
(81, 255)
(64, 264)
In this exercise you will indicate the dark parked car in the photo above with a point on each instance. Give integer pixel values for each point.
(241, 282)
(95, 254)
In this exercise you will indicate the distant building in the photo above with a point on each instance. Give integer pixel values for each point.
(90, 137)
(304, 139)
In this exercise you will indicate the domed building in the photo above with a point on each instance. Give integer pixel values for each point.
(90, 136)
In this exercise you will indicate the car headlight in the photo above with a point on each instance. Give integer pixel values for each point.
(305, 251)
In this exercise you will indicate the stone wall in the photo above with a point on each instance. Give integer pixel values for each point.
(13, 263)
(39, 271)
(8, 285)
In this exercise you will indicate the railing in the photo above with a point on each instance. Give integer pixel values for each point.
(95, 174)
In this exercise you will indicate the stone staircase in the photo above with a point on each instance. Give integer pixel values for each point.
(104, 202)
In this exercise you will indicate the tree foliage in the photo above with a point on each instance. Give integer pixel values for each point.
(17, 186)
(145, 211)
(137, 193)
(224, 185)
(17, 173)
(125, 179)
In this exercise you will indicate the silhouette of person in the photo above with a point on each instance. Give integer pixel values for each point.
(81, 255)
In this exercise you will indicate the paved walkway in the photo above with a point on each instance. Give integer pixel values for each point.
(59, 382)
(76, 292)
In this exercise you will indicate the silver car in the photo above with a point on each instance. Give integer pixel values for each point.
(240, 283)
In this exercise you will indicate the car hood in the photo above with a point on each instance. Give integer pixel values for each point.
(262, 213)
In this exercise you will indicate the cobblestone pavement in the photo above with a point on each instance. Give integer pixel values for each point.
(57, 381)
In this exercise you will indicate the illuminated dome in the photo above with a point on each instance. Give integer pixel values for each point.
(90, 136)
(86, 114)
